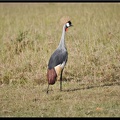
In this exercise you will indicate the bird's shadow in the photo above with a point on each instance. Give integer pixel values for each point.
(76, 89)
(90, 87)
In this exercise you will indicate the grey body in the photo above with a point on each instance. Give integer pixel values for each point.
(58, 57)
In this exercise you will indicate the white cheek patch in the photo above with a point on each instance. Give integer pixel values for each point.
(67, 24)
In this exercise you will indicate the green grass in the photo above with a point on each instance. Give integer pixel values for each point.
(31, 32)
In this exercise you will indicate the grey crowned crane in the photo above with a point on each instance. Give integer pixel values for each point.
(58, 59)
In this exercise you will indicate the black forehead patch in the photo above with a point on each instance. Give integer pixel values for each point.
(69, 22)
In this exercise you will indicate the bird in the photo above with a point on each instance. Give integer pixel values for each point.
(58, 59)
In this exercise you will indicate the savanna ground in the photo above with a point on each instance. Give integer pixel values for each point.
(29, 33)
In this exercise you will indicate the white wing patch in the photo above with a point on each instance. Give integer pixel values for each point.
(63, 65)
(59, 68)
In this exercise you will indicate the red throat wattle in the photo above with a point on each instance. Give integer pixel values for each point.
(66, 29)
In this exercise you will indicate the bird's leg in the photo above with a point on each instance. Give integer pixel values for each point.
(61, 80)
(47, 88)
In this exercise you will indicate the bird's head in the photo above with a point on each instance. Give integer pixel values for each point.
(67, 25)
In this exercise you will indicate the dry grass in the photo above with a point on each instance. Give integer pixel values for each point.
(31, 32)
(32, 101)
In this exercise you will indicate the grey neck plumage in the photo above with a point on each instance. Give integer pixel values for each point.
(62, 41)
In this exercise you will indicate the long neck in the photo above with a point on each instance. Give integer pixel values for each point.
(62, 41)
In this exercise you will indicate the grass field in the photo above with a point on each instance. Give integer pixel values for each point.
(91, 79)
